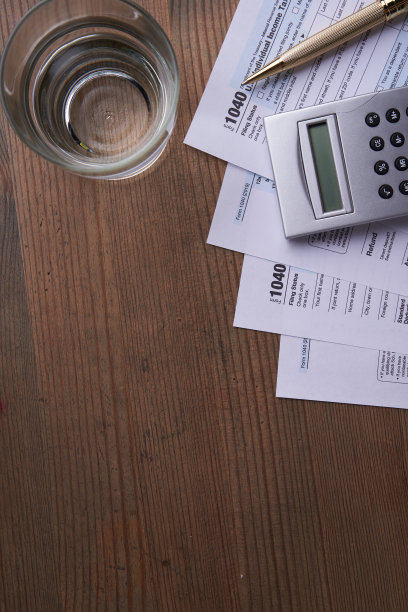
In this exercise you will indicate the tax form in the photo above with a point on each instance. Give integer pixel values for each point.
(247, 219)
(229, 124)
(229, 120)
(319, 371)
(279, 298)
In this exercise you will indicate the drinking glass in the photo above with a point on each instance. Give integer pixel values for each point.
(91, 85)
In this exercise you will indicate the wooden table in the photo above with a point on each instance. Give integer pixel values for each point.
(145, 463)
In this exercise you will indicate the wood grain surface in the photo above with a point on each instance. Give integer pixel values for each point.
(145, 463)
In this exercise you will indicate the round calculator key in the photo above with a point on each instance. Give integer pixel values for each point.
(404, 187)
(377, 143)
(372, 119)
(381, 167)
(392, 115)
(397, 139)
(401, 163)
(386, 191)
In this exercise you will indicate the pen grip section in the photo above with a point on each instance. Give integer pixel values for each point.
(339, 32)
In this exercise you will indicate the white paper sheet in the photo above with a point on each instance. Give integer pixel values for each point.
(279, 298)
(228, 124)
(229, 120)
(320, 371)
(247, 219)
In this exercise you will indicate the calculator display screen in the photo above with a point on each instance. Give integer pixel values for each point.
(325, 167)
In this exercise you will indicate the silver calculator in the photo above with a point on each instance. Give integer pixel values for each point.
(341, 163)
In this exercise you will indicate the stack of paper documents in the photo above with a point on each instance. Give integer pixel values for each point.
(339, 298)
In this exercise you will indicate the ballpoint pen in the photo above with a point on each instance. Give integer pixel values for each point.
(332, 36)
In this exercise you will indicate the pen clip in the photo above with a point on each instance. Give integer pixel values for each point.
(393, 8)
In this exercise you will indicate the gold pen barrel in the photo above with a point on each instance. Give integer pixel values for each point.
(331, 37)
(341, 31)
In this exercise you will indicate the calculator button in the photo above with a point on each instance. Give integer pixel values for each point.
(381, 167)
(373, 119)
(392, 115)
(377, 143)
(397, 139)
(386, 191)
(401, 163)
(404, 187)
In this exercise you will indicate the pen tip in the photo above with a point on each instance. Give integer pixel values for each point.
(276, 66)
(249, 80)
